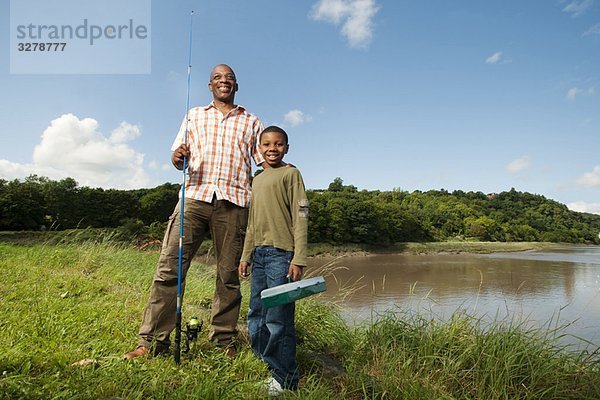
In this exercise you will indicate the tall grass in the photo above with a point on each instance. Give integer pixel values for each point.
(67, 302)
(410, 356)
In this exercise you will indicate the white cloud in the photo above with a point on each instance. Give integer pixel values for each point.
(294, 118)
(582, 206)
(578, 7)
(11, 170)
(574, 92)
(73, 147)
(355, 16)
(156, 166)
(124, 133)
(594, 30)
(494, 58)
(590, 179)
(518, 165)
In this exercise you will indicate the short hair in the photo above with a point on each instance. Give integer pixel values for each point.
(210, 76)
(277, 129)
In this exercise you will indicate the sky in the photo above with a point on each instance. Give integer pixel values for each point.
(386, 94)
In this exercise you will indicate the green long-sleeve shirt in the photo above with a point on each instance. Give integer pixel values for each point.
(278, 213)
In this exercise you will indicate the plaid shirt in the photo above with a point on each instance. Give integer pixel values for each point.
(221, 147)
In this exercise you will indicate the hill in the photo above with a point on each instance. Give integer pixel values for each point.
(339, 214)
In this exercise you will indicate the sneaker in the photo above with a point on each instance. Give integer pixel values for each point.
(274, 389)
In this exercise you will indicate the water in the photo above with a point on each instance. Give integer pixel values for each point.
(550, 288)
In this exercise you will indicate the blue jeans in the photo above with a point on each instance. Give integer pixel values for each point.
(272, 332)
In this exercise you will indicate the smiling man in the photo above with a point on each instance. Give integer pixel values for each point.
(221, 143)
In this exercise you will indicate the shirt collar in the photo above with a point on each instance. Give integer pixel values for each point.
(239, 109)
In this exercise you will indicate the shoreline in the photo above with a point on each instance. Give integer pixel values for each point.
(315, 250)
(320, 250)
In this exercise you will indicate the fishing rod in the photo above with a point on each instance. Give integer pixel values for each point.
(193, 327)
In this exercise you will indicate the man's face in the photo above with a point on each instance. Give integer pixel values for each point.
(223, 84)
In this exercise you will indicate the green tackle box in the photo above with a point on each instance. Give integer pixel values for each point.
(289, 292)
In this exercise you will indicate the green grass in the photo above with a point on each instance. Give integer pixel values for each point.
(318, 249)
(471, 246)
(108, 235)
(64, 303)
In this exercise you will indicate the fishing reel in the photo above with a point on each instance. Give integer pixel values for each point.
(193, 328)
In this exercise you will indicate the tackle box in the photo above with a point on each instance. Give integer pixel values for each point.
(289, 292)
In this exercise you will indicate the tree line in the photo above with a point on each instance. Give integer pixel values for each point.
(339, 214)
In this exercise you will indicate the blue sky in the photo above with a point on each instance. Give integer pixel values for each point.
(416, 95)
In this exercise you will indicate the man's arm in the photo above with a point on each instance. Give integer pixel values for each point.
(178, 155)
(257, 128)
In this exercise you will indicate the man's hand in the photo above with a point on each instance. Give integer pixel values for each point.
(295, 272)
(178, 155)
(244, 269)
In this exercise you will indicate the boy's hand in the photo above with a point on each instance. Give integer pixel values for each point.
(178, 155)
(244, 269)
(295, 272)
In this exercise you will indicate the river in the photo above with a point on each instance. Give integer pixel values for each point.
(550, 288)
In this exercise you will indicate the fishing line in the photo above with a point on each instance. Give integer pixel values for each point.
(177, 352)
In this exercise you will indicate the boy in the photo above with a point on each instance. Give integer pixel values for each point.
(276, 246)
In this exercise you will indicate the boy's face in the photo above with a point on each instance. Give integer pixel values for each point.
(273, 147)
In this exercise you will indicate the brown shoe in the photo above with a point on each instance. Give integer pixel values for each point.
(138, 352)
(230, 352)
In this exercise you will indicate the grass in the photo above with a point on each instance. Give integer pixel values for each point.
(318, 249)
(471, 246)
(97, 235)
(67, 302)
(108, 235)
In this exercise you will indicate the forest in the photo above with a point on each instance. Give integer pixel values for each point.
(339, 214)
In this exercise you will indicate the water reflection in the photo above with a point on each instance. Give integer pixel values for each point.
(557, 286)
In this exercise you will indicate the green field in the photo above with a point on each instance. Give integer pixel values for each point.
(62, 303)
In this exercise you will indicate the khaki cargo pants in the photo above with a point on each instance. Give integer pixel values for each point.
(227, 225)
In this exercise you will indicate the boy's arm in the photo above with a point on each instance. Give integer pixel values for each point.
(299, 208)
(243, 268)
(295, 272)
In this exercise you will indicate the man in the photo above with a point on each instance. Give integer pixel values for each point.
(222, 140)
